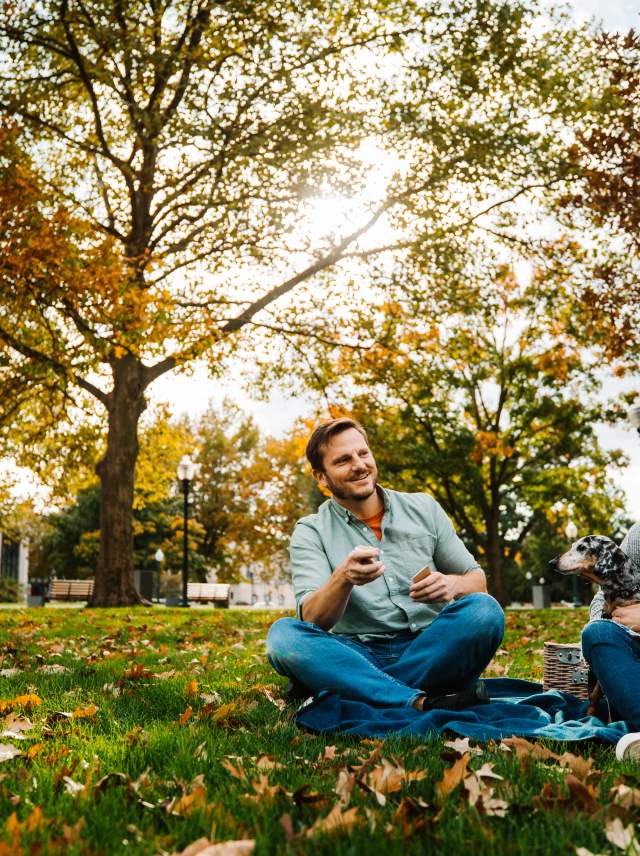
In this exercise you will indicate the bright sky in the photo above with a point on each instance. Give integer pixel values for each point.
(192, 394)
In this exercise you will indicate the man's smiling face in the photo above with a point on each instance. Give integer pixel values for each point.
(350, 471)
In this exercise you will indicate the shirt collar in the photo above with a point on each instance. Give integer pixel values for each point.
(347, 515)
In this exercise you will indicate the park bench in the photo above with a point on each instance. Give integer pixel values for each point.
(70, 590)
(216, 593)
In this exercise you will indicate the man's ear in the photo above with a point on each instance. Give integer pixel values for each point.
(321, 480)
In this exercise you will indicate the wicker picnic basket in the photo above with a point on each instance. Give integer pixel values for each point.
(564, 669)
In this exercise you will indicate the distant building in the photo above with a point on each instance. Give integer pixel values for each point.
(276, 593)
(14, 561)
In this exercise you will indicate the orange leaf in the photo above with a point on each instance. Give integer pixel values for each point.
(184, 716)
(453, 776)
(85, 712)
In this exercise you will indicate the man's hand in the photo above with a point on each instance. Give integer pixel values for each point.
(362, 566)
(436, 587)
(628, 615)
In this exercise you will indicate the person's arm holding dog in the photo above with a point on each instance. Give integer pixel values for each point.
(628, 615)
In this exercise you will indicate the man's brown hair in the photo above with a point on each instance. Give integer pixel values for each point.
(322, 435)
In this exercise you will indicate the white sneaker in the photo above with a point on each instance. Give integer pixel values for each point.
(628, 747)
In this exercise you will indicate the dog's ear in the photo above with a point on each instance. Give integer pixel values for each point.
(610, 560)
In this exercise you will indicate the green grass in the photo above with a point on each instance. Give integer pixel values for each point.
(167, 781)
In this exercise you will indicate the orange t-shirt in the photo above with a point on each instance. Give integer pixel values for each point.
(375, 524)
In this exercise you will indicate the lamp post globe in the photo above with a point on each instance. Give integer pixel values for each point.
(186, 471)
(159, 557)
(571, 531)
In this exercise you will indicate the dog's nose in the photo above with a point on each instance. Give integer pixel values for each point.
(553, 563)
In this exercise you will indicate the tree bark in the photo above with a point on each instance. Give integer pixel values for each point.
(114, 585)
(494, 563)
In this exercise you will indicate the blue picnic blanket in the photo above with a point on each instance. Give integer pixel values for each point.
(517, 708)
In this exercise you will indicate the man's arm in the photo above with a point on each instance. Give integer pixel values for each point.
(325, 606)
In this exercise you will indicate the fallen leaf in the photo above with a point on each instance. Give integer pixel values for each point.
(192, 688)
(336, 821)
(461, 745)
(85, 712)
(452, 777)
(344, 786)
(622, 837)
(32, 751)
(52, 669)
(8, 751)
(202, 847)
(184, 716)
(72, 787)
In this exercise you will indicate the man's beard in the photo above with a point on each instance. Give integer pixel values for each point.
(340, 493)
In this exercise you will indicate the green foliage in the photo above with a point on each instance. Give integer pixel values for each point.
(9, 590)
(493, 412)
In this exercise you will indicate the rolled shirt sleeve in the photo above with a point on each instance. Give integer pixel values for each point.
(310, 566)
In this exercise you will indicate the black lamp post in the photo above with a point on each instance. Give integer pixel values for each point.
(186, 470)
(571, 532)
(159, 557)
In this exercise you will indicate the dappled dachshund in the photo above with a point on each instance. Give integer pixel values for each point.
(600, 560)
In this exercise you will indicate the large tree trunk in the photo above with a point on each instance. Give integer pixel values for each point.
(114, 584)
(494, 563)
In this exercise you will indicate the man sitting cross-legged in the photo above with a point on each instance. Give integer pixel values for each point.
(364, 629)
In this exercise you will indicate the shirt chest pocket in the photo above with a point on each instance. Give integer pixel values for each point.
(419, 552)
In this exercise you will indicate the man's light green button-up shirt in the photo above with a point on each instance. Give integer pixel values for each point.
(415, 532)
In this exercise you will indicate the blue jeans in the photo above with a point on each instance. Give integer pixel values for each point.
(614, 656)
(446, 656)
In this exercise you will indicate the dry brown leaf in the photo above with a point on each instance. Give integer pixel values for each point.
(203, 847)
(185, 715)
(8, 751)
(452, 777)
(384, 779)
(236, 772)
(32, 751)
(287, 825)
(268, 762)
(329, 753)
(192, 688)
(524, 749)
(583, 794)
(486, 771)
(336, 821)
(85, 712)
(344, 786)
(582, 851)
(461, 745)
(581, 767)
(164, 676)
(623, 837)
(185, 804)
(625, 796)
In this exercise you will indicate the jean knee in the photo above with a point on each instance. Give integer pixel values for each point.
(487, 614)
(281, 637)
(598, 632)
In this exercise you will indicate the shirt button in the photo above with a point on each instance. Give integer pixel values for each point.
(413, 626)
(390, 579)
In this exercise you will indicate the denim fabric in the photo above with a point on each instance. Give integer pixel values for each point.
(517, 707)
(416, 533)
(614, 656)
(447, 655)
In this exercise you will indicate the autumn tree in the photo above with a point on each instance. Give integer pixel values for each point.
(604, 202)
(160, 161)
(249, 492)
(492, 412)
